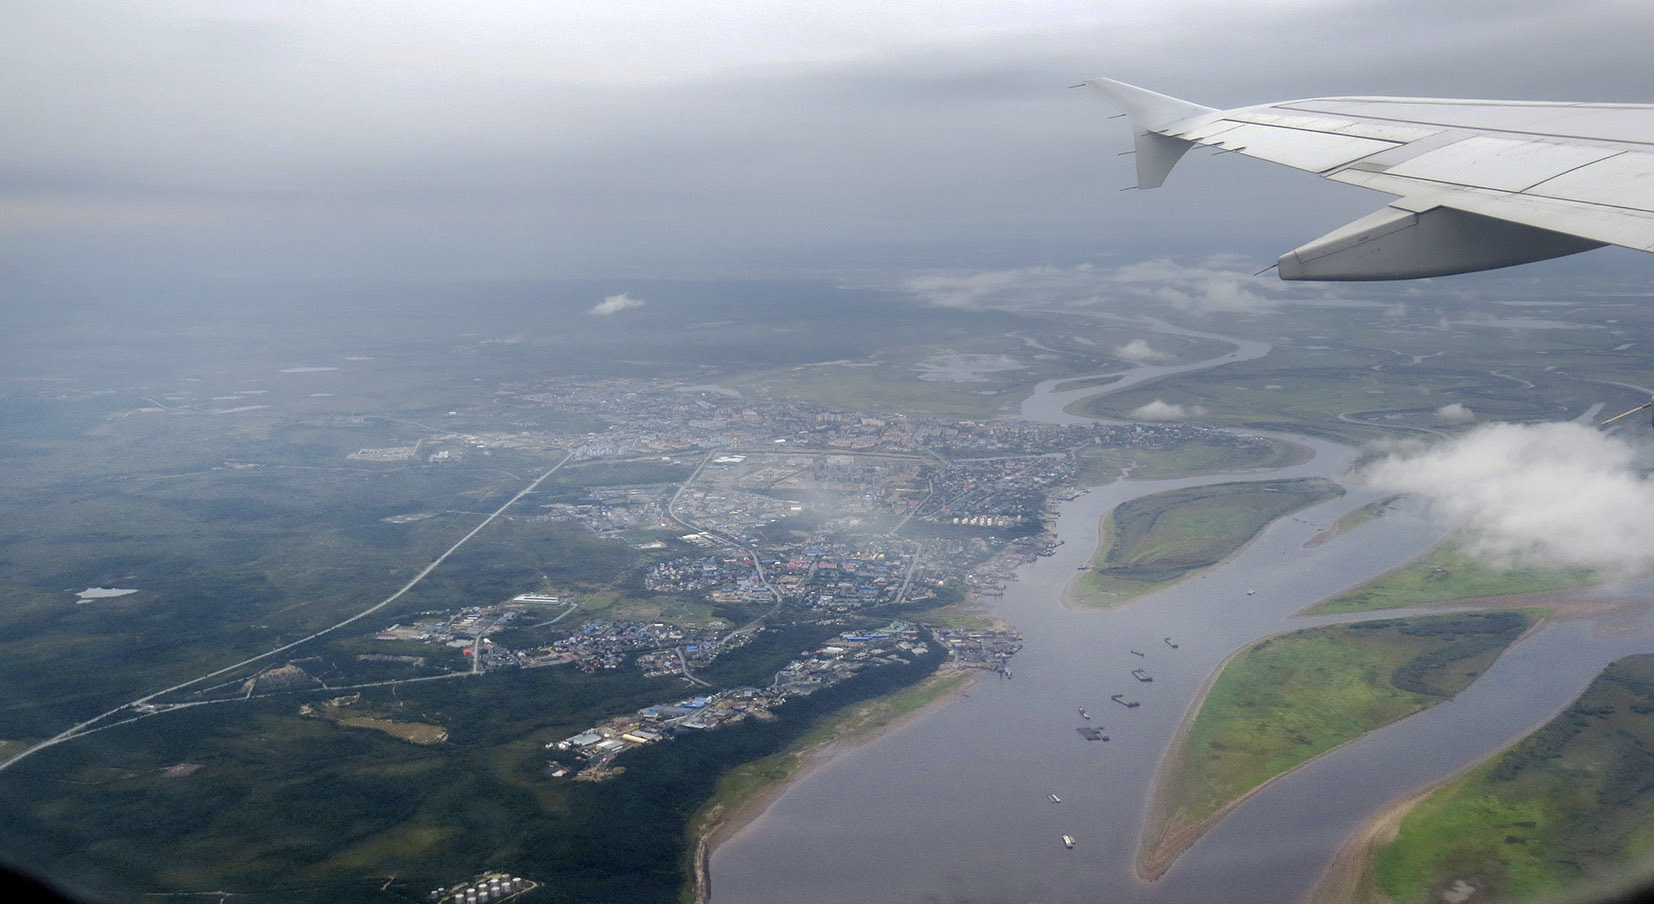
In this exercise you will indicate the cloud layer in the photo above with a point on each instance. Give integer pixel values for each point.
(1141, 352)
(614, 304)
(506, 137)
(1559, 493)
(1455, 413)
(1161, 410)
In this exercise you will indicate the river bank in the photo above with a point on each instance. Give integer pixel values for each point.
(890, 821)
(1529, 794)
(1153, 858)
(1349, 875)
(747, 791)
(1165, 538)
(1165, 837)
(1168, 832)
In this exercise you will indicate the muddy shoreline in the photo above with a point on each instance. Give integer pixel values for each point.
(718, 825)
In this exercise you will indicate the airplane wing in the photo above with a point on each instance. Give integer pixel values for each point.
(1479, 184)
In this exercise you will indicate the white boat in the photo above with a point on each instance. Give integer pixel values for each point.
(1068, 841)
(1055, 799)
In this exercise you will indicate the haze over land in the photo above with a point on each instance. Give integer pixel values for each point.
(448, 439)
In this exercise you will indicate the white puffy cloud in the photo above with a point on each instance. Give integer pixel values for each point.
(1219, 284)
(1212, 286)
(1558, 493)
(1455, 413)
(1160, 410)
(1011, 286)
(1140, 351)
(615, 304)
(948, 290)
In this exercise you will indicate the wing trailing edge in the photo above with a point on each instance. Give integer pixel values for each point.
(1478, 184)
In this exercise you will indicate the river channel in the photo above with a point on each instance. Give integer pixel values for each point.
(954, 805)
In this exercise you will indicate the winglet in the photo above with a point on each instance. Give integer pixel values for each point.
(1150, 114)
(1149, 111)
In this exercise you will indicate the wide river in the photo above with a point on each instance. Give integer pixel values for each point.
(953, 806)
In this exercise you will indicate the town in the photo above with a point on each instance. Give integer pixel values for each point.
(591, 753)
(755, 515)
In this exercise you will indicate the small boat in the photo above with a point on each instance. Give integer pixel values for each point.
(1251, 592)
(1068, 841)
(1055, 799)
(1134, 652)
(1084, 714)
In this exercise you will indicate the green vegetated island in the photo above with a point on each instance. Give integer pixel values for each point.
(1351, 520)
(1292, 697)
(1156, 540)
(1187, 459)
(1566, 809)
(1448, 574)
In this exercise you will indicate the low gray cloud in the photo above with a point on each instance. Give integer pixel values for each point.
(1455, 413)
(1556, 494)
(614, 304)
(582, 139)
(1211, 287)
(1140, 352)
(1161, 410)
(961, 290)
(1009, 287)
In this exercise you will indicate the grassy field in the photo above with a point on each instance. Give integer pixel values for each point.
(1569, 805)
(1213, 456)
(1084, 382)
(1370, 512)
(1356, 394)
(921, 381)
(1447, 574)
(422, 733)
(1292, 697)
(1156, 540)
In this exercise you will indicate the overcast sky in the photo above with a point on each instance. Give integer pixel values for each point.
(575, 138)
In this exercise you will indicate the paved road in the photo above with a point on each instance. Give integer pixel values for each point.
(136, 706)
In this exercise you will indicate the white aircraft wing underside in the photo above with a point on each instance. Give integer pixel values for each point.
(1479, 184)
